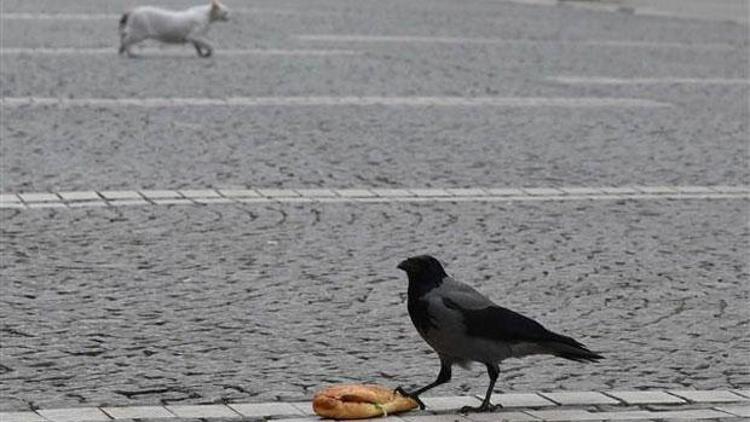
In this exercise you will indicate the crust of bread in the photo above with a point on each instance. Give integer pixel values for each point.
(358, 401)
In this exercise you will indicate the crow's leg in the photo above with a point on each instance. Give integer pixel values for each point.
(443, 377)
(486, 406)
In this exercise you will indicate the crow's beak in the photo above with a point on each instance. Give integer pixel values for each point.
(402, 265)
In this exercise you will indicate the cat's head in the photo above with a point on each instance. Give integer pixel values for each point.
(219, 12)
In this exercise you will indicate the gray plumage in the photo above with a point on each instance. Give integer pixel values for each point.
(464, 326)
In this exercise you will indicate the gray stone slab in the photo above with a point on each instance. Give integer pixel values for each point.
(582, 191)
(579, 397)
(138, 412)
(620, 190)
(390, 193)
(743, 393)
(199, 193)
(266, 409)
(304, 406)
(38, 197)
(172, 201)
(562, 415)
(120, 194)
(521, 400)
(694, 189)
(501, 416)
(9, 197)
(506, 192)
(128, 202)
(277, 193)
(741, 411)
(691, 414)
(87, 204)
(81, 414)
(467, 192)
(260, 200)
(46, 205)
(645, 397)
(543, 191)
(203, 411)
(296, 199)
(79, 196)
(317, 193)
(12, 205)
(709, 396)
(160, 194)
(355, 193)
(239, 193)
(429, 192)
(435, 418)
(217, 200)
(21, 417)
(449, 403)
(732, 189)
(656, 189)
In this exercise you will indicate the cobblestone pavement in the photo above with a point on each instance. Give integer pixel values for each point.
(269, 301)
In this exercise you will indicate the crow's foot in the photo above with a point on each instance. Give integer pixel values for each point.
(404, 393)
(485, 407)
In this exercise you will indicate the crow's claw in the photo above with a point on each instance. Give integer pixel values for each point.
(404, 393)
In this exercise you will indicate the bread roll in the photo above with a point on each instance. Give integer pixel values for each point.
(357, 401)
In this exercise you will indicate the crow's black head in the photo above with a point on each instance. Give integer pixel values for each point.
(423, 269)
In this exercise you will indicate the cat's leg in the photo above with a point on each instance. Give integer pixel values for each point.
(203, 48)
(127, 41)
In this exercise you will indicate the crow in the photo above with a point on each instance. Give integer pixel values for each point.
(464, 326)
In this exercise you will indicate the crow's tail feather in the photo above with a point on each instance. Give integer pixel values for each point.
(568, 348)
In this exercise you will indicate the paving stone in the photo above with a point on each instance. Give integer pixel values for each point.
(579, 397)
(128, 202)
(21, 417)
(120, 194)
(46, 205)
(741, 411)
(506, 192)
(656, 189)
(9, 197)
(581, 191)
(239, 193)
(199, 193)
(429, 192)
(694, 189)
(435, 418)
(645, 397)
(296, 200)
(467, 192)
(12, 205)
(81, 414)
(260, 200)
(87, 204)
(217, 200)
(501, 416)
(38, 197)
(449, 403)
(203, 411)
(620, 190)
(316, 192)
(138, 412)
(266, 409)
(79, 196)
(692, 414)
(355, 193)
(543, 191)
(160, 194)
(709, 396)
(731, 189)
(277, 193)
(521, 400)
(173, 201)
(392, 192)
(743, 393)
(304, 406)
(562, 415)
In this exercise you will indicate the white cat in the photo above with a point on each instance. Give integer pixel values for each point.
(184, 26)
